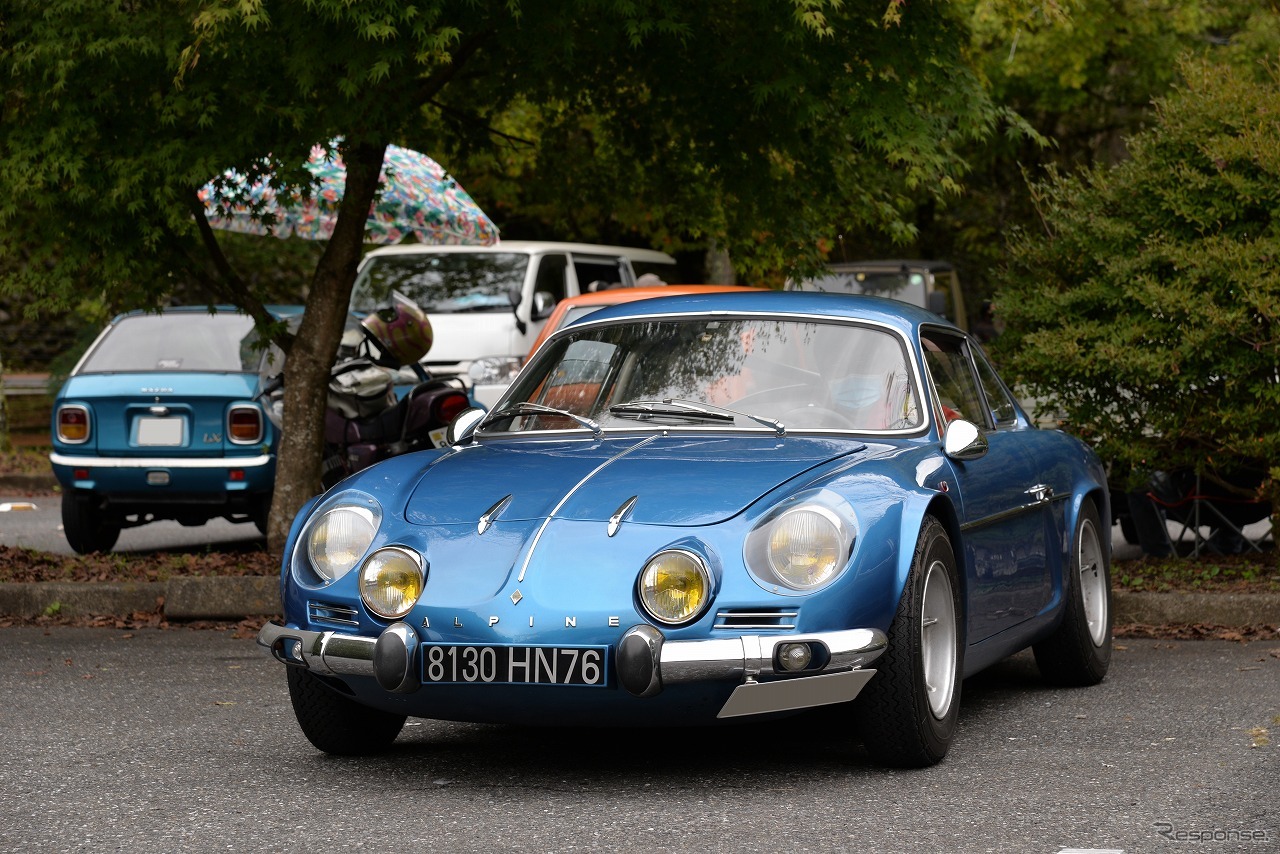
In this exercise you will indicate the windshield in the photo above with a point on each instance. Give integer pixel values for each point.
(176, 341)
(443, 282)
(754, 373)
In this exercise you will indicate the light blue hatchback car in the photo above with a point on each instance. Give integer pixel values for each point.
(161, 419)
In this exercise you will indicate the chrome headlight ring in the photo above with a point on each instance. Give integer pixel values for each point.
(675, 587)
(391, 581)
(336, 538)
(803, 546)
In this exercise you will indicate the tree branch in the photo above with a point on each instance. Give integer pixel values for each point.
(227, 283)
(476, 121)
(437, 80)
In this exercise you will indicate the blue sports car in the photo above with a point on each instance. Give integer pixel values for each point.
(161, 420)
(700, 509)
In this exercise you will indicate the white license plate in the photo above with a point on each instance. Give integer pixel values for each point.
(160, 431)
(525, 665)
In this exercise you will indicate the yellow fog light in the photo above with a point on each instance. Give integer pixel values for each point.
(391, 582)
(675, 587)
(806, 547)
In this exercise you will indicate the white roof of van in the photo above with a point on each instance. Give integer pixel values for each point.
(532, 247)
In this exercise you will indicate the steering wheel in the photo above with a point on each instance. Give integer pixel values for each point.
(811, 417)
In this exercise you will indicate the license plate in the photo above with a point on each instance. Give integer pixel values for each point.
(521, 665)
(160, 431)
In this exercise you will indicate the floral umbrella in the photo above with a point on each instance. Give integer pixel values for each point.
(415, 196)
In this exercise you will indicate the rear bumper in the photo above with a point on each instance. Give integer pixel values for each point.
(94, 462)
(646, 663)
(168, 487)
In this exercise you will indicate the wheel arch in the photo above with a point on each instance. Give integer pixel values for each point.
(917, 509)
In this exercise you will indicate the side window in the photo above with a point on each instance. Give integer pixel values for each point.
(1003, 412)
(948, 364)
(598, 274)
(551, 277)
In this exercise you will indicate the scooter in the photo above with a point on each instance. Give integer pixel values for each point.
(372, 413)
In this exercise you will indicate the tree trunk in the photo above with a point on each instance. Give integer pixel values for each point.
(306, 371)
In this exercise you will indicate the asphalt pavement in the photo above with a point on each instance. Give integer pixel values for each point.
(185, 740)
(35, 522)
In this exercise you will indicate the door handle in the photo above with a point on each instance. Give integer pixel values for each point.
(1041, 492)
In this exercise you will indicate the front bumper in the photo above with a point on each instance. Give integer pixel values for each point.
(646, 663)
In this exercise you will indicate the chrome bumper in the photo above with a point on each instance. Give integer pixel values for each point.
(645, 660)
(75, 461)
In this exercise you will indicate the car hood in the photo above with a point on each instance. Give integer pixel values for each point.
(674, 480)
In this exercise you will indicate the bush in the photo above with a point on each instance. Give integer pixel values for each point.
(1146, 311)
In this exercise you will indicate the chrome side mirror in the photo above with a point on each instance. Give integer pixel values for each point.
(462, 426)
(964, 441)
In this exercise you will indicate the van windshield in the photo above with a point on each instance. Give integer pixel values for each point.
(444, 282)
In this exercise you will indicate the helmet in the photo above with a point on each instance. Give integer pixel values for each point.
(401, 331)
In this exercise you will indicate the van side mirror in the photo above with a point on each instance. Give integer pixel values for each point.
(543, 304)
(938, 303)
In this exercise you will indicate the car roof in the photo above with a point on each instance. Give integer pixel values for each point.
(613, 296)
(649, 256)
(899, 315)
(280, 312)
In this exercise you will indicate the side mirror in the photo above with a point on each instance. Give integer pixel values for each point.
(964, 441)
(938, 303)
(463, 425)
(543, 303)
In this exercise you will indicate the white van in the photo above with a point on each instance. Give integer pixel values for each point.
(488, 303)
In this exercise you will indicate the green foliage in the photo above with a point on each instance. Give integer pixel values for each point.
(1084, 75)
(1146, 310)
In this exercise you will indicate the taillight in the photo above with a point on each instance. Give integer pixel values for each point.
(447, 407)
(73, 424)
(244, 424)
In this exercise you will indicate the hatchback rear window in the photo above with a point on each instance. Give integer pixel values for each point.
(184, 341)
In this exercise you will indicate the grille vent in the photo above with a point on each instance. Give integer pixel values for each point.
(757, 618)
(341, 615)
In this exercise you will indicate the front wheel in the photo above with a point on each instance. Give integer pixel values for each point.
(1079, 652)
(907, 713)
(337, 724)
(87, 528)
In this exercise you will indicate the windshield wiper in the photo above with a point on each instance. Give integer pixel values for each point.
(527, 408)
(690, 408)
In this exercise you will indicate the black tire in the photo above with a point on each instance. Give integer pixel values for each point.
(901, 725)
(87, 528)
(338, 724)
(1079, 651)
(262, 513)
(1129, 529)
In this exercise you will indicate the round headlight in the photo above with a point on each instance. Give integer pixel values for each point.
(675, 587)
(339, 539)
(391, 582)
(805, 547)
